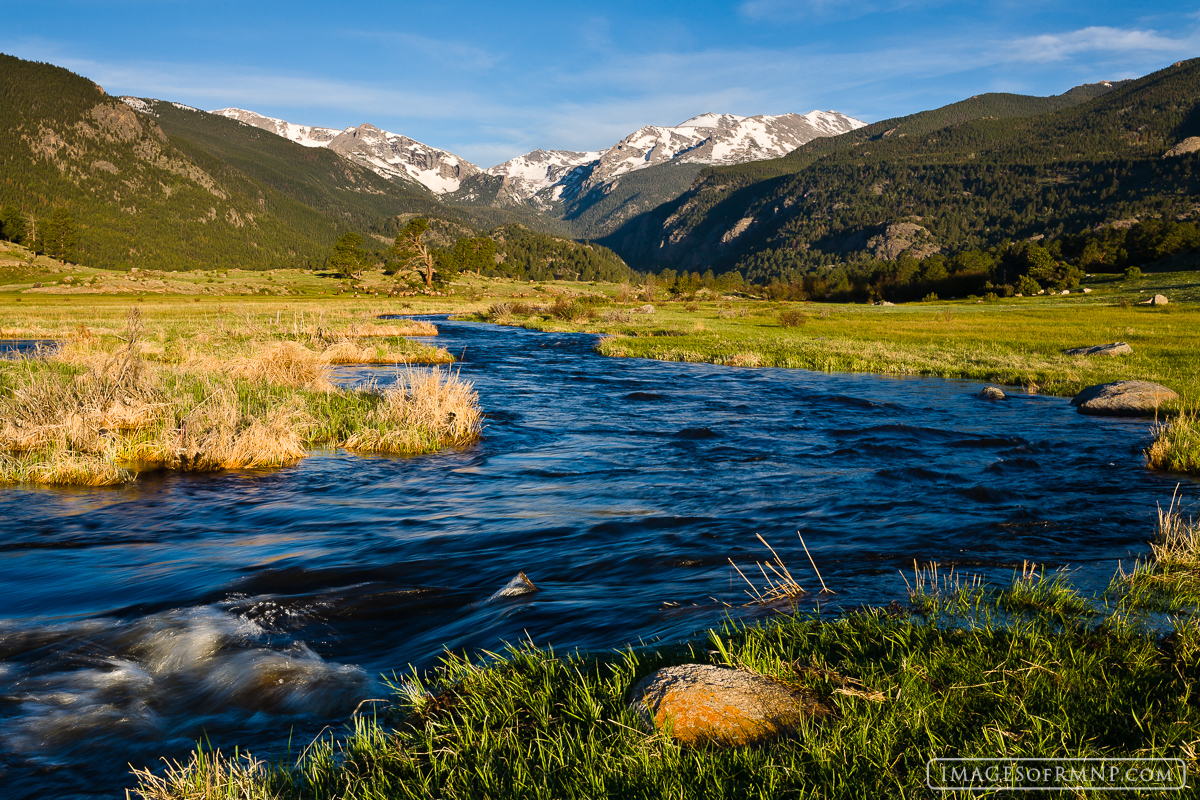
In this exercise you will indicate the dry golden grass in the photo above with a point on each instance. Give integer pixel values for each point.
(284, 364)
(205, 777)
(424, 410)
(349, 352)
(415, 327)
(88, 414)
(1178, 540)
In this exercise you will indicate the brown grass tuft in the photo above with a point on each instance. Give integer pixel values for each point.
(424, 411)
(415, 327)
(284, 364)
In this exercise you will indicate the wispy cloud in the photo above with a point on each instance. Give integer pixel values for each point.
(819, 10)
(451, 53)
(496, 110)
(1111, 41)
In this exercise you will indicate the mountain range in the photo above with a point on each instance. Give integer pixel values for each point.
(166, 185)
(545, 176)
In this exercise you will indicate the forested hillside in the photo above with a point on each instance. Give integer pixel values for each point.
(163, 186)
(527, 254)
(995, 176)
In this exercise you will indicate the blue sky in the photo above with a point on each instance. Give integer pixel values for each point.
(490, 80)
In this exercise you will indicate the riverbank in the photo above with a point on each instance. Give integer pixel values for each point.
(1018, 343)
(103, 404)
(1031, 670)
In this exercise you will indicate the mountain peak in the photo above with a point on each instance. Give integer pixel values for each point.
(710, 119)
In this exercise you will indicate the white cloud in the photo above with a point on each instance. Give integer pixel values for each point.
(494, 111)
(1110, 41)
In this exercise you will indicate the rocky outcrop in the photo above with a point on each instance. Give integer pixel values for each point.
(1114, 349)
(1188, 145)
(708, 705)
(900, 237)
(1123, 399)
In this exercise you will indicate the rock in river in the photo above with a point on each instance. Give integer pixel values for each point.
(516, 587)
(1114, 349)
(992, 393)
(721, 706)
(1123, 399)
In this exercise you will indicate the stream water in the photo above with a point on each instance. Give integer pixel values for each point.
(241, 605)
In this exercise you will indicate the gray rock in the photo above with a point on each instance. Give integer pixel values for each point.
(646, 309)
(720, 706)
(1157, 300)
(1188, 145)
(899, 237)
(1114, 349)
(992, 393)
(1123, 399)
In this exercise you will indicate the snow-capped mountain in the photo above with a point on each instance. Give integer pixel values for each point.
(532, 173)
(710, 138)
(387, 154)
(545, 176)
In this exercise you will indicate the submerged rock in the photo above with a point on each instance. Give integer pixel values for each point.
(1123, 399)
(721, 706)
(516, 587)
(992, 393)
(1114, 349)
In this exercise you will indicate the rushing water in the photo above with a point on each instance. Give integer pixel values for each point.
(240, 605)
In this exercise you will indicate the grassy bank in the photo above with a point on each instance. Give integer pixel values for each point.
(104, 405)
(1032, 670)
(1015, 342)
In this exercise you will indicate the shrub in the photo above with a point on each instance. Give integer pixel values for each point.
(792, 318)
(1028, 286)
(1133, 274)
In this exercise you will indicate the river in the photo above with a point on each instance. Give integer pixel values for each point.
(241, 605)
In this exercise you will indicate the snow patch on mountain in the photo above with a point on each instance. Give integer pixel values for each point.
(530, 175)
(545, 176)
(390, 155)
(138, 105)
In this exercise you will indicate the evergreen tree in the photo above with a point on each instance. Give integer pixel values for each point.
(12, 224)
(58, 235)
(347, 257)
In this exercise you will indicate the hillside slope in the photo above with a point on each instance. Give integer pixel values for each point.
(732, 214)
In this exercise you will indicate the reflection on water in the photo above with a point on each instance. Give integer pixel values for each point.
(134, 621)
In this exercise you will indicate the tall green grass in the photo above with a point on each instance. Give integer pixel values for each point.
(1030, 671)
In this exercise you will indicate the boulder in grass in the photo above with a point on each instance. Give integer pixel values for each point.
(1157, 300)
(646, 309)
(1123, 399)
(1114, 349)
(721, 706)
